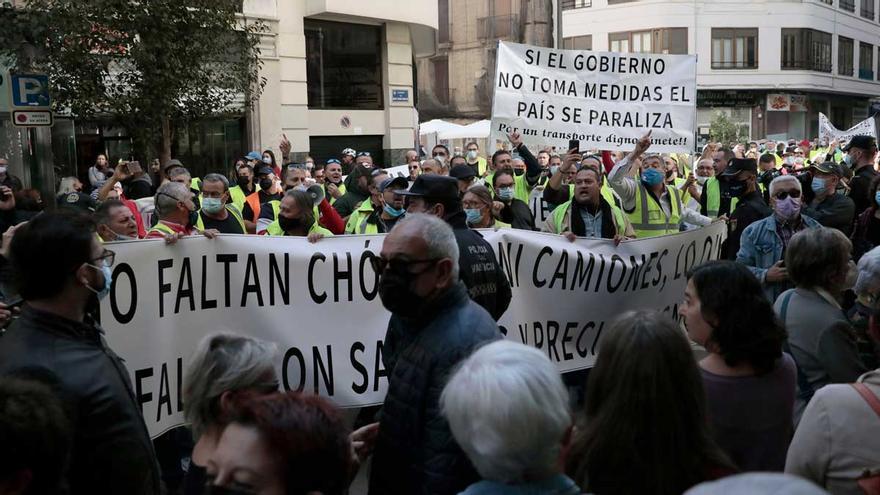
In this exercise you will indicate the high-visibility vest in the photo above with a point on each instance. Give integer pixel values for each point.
(358, 221)
(648, 218)
(565, 208)
(606, 193)
(161, 227)
(330, 198)
(195, 183)
(200, 224)
(237, 197)
(713, 198)
(253, 199)
(520, 187)
(275, 229)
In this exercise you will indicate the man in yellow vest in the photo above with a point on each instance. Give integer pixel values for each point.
(333, 185)
(715, 200)
(654, 208)
(557, 191)
(216, 212)
(296, 217)
(270, 189)
(244, 186)
(475, 161)
(588, 214)
(380, 212)
(177, 214)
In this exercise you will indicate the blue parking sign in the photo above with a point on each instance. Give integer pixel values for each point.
(30, 90)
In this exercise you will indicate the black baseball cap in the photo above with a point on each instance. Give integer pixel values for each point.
(462, 172)
(396, 183)
(829, 168)
(861, 142)
(433, 186)
(78, 200)
(264, 171)
(738, 165)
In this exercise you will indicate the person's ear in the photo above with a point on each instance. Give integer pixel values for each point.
(81, 274)
(444, 272)
(439, 210)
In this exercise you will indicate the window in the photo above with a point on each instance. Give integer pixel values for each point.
(844, 56)
(666, 41)
(806, 49)
(734, 48)
(343, 65)
(443, 21)
(866, 61)
(578, 42)
(849, 5)
(867, 10)
(576, 4)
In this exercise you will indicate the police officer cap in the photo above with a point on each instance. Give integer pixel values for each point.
(462, 172)
(862, 143)
(738, 165)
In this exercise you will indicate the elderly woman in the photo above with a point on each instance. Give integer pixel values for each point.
(478, 206)
(224, 366)
(820, 337)
(508, 410)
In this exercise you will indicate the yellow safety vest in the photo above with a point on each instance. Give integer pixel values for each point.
(565, 209)
(275, 229)
(520, 187)
(606, 193)
(161, 227)
(713, 198)
(200, 224)
(331, 199)
(357, 222)
(648, 218)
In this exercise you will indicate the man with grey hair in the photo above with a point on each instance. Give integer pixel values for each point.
(432, 166)
(509, 410)
(177, 214)
(763, 243)
(434, 325)
(217, 213)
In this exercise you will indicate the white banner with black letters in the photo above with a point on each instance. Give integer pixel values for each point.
(828, 133)
(319, 303)
(605, 100)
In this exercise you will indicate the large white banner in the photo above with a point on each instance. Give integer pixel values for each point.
(319, 303)
(828, 133)
(605, 100)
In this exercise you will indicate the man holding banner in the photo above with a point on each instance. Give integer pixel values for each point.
(588, 214)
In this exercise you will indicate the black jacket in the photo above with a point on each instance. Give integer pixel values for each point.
(836, 211)
(415, 451)
(860, 187)
(488, 287)
(750, 208)
(518, 215)
(112, 452)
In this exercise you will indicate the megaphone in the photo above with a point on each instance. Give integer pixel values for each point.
(315, 191)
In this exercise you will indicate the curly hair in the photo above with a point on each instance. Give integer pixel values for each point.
(747, 329)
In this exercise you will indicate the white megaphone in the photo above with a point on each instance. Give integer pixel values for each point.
(315, 191)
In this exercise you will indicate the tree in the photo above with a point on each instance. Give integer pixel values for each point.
(146, 65)
(725, 131)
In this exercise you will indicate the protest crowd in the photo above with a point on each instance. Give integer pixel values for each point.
(766, 386)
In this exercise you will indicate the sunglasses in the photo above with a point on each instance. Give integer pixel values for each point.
(785, 194)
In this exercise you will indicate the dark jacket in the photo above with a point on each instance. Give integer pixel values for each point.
(518, 215)
(860, 186)
(349, 201)
(750, 208)
(112, 452)
(836, 211)
(415, 451)
(488, 287)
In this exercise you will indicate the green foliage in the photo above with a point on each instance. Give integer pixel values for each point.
(723, 130)
(140, 63)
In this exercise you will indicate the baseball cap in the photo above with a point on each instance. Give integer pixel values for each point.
(462, 172)
(829, 168)
(77, 200)
(253, 155)
(264, 171)
(400, 182)
(738, 165)
(861, 142)
(433, 186)
(805, 143)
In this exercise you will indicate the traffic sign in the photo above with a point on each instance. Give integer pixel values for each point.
(30, 91)
(32, 118)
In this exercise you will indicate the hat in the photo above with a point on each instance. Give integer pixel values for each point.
(462, 172)
(804, 144)
(400, 182)
(349, 152)
(433, 186)
(738, 165)
(254, 155)
(861, 142)
(264, 171)
(829, 168)
(77, 200)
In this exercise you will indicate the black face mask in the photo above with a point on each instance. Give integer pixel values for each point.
(243, 181)
(288, 224)
(396, 294)
(519, 172)
(736, 188)
(193, 218)
(266, 184)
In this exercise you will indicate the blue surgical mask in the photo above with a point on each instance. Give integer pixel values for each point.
(818, 185)
(505, 193)
(472, 155)
(108, 280)
(652, 177)
(392, 211)
(848, 160)
(212, 206)
(473, 215)
(877, 198)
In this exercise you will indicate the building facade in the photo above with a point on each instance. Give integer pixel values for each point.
(771, 65)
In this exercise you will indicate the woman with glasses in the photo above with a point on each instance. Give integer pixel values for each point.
(477, 203)
(763, 243)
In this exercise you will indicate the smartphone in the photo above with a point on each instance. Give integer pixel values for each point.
(13, 303)
(574, 144)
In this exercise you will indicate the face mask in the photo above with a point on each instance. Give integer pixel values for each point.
(736, 188)
(701, 180)
(193, 218)
(440, 159)
(266, 184)
(519, 172)
(505, 193)
(2, 170)
(243, 181)
(267, 160)
(471, 155)
(554, 169)
(212, 205)
(787, 208)
(652, 177)
(473, 215)
(392, 211)
(848, 160)
(397, 296)
(288, 224)
(121, 237)
(108, 280)
(877, 198)
(818, 185)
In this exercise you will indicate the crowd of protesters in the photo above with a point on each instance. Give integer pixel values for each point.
(778, 393)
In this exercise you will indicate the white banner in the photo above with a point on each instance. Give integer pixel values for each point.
(319, 302)
(828, 133)
(540, 208)
(605, 100)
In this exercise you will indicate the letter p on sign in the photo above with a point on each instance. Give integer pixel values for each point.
(30, 90)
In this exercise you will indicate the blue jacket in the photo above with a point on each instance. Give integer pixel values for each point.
(761, 247)
(557, 485)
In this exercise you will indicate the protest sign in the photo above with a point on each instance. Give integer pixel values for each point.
(828, 133)
(319, 303)
(605, 100)
(540, 208)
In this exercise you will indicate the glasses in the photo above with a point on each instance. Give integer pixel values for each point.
(398, 265)
(785, 194)
(413, 167)
(107, 256)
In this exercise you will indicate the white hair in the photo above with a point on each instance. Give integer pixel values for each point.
(437, 234)
(869, 273)
(168, 195)
(66, 185)
(784, 179)
(225, 362)
(509, 411)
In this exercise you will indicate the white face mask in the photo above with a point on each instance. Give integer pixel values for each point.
(701, 180)
(472, 155)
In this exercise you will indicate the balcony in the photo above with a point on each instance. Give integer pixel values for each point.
(504, 27)
(576, 4)
(722, 65)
